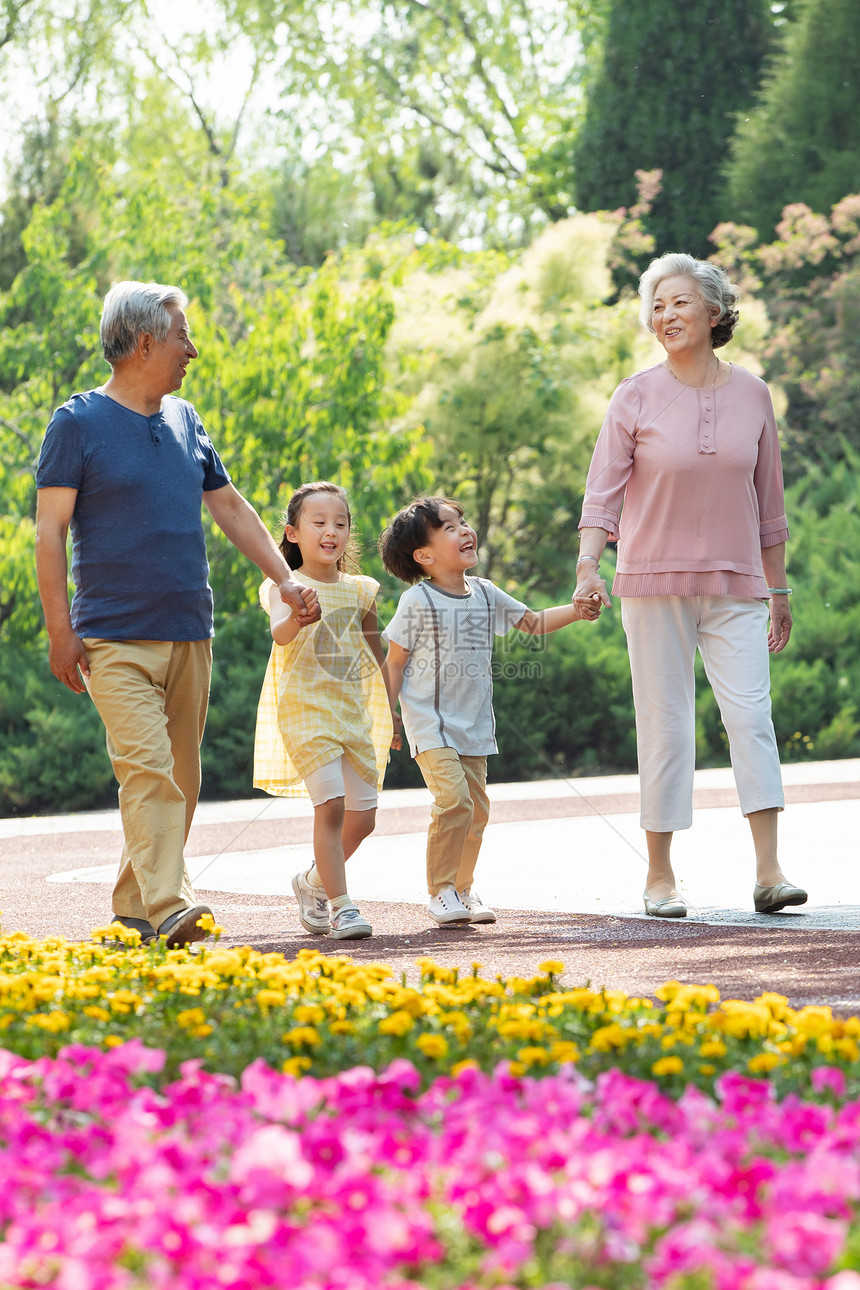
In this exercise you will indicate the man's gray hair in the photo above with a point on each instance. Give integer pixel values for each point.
(134, 307)
(718, 291)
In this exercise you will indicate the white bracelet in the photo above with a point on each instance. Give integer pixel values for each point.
(588, 557)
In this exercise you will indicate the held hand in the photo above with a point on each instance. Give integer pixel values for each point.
(67, 659)
(303, 601)
(590, 590)
(780, 624)
(589, 610)
(397, 737)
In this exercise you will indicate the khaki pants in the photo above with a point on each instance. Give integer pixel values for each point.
(459, 813)
(152, 697)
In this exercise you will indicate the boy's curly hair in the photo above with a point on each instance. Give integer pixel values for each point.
(408, 532)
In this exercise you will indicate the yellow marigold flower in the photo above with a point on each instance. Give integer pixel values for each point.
(847, 1049)
(583, 1000)
(341, 1028)
(696, 997)
(533, 1056)
(777, 1003)
(824, 1044)
(309, 1014)
(207, 922)
(458, 1022)
(605, 1038)
(97, 1013)
(351, 998)
(667, 1066)
(743, 1020)
(520, 984)
(225, 962)
(46, 988)
(713, 1048)
(397, 1023)
(707, 1069)
(763, 1062)
(113, 1041)
(667, 991)
(296, 1066)
(54, 1022)
(6, 1020)
(469, 1064)
(270, 999)
(517, 1068)
(552, 967)
(433, 1046)
(563, 1050)
(813, 1020)
(191, 1018)
(412, 1001)
(124, 1001)
(302, 1036)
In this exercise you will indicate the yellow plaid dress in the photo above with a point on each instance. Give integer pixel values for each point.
(323, 694)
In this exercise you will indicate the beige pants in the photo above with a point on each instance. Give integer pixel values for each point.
(152, 697)
(459, 813)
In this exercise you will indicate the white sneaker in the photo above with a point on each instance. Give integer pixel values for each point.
(478, 911)
(313, 905)
(348, 924)
(447, 907)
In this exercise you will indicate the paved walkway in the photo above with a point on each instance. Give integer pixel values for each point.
(563, 859)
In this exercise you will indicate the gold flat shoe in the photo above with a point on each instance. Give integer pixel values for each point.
(669, 907)
(770, 900)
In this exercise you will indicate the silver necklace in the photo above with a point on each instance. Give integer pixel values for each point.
(687, 383)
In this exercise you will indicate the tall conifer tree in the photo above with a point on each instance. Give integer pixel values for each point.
(672, 79)
(802, 142)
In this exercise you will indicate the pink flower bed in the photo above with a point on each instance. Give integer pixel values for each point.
(360, 1181)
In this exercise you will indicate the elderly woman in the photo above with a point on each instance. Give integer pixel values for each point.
(690, 448)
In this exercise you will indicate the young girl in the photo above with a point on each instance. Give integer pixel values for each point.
(324, 723)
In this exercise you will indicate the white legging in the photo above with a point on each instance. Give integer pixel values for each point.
(663, 633)
(338, 779)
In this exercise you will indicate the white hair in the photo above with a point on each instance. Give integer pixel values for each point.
(718, 291)
(134, 307)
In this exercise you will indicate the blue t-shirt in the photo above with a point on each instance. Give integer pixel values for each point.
(138, 551)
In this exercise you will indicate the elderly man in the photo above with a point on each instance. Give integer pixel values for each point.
(127, 467)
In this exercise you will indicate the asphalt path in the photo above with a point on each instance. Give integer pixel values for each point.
(562, 863)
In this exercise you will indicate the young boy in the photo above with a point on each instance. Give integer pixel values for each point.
(440, 644)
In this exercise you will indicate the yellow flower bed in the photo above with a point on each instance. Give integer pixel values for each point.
(321, 1014)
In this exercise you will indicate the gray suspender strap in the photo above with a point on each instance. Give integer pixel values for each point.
(489, 616)
(489, 642)
(437, 670)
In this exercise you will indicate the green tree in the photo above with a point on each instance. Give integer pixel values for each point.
(801, 143)
(670, 80)
(291, 381)
(510, 363)
(810, 280)
(440, 112)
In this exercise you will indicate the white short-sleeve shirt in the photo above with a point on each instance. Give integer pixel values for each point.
(447, 694)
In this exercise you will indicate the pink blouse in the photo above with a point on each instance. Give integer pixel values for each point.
(699, 474)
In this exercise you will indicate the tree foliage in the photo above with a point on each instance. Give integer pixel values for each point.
(801, 142)
(810, 278)
(669, 83)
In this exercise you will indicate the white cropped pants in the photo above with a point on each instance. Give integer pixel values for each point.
(663, 633)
